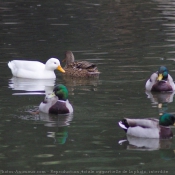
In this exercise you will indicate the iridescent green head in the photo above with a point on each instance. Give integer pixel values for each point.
(167, 119)
(61, 92)
(162, 73)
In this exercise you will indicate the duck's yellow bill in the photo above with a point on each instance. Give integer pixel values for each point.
(61, 69)
(160, 77)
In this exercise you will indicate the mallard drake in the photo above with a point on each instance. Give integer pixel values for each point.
(35, 69)
(149, 127)
(160, 81)
(57, 102)
(79, 68)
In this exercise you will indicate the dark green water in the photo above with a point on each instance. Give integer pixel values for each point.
(129, 40)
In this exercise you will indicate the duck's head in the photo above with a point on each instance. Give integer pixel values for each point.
(61, 92)
(167, 119)
(53, 64)
(162, 73)
(69, 57)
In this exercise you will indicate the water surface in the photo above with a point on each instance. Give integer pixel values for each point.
(128, 40)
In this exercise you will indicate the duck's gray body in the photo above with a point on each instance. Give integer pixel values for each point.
(147, 128)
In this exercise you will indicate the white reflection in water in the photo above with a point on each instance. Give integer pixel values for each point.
(146, 144)
(163, 97)
(160, 100)
(56, 120)
(31, 85)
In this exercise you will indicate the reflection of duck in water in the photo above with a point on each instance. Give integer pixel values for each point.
(61, 123)
(31, 85)
(149, 127)
(60, 136)
(164, 146)
(164, 97)
(76, 83)
(160, 81)
(56, 124)
(79, 68)
(161, 100)
(146, 144)
(57, 102)
(35, 69)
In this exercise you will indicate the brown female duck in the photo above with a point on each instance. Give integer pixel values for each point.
(79, 68)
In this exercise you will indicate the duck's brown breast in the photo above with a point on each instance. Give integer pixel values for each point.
(161, 86)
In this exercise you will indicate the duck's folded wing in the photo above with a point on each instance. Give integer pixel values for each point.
(27, 65)
(151, 81)
(145, 123)
(171, 82)
(85, 65)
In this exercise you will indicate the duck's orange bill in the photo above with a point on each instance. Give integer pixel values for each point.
(160, 77)
(61, 69)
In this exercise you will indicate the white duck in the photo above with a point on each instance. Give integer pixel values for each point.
(35, 69)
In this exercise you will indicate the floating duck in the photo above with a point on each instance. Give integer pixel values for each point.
(160, 81)
(79, 68)
(57, 102)
(149, 127)
(35, 69)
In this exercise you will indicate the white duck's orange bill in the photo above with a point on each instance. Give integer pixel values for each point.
(61, 69)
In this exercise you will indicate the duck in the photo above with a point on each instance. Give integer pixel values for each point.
(57, 102)
(149, 127)
(160, 81)
(35, 69)
(79, 68)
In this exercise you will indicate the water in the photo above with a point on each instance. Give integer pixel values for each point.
(128, 40)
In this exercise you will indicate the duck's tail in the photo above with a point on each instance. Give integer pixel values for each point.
(124, 125)
(10, 65)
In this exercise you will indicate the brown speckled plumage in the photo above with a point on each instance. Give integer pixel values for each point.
(79, 68)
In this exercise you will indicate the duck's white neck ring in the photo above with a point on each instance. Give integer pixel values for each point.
(62, 101)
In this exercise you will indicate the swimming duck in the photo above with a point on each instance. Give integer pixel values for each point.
(149, 127)
(79, 68)
(35, 69)
(160, 81)
(57, 102)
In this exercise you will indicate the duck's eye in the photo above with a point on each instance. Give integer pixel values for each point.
(55, 63)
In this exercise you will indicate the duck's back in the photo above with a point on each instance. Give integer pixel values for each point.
(26, 65)
(30, 69)
(145, 123)
(85, 65)
(82, 69)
